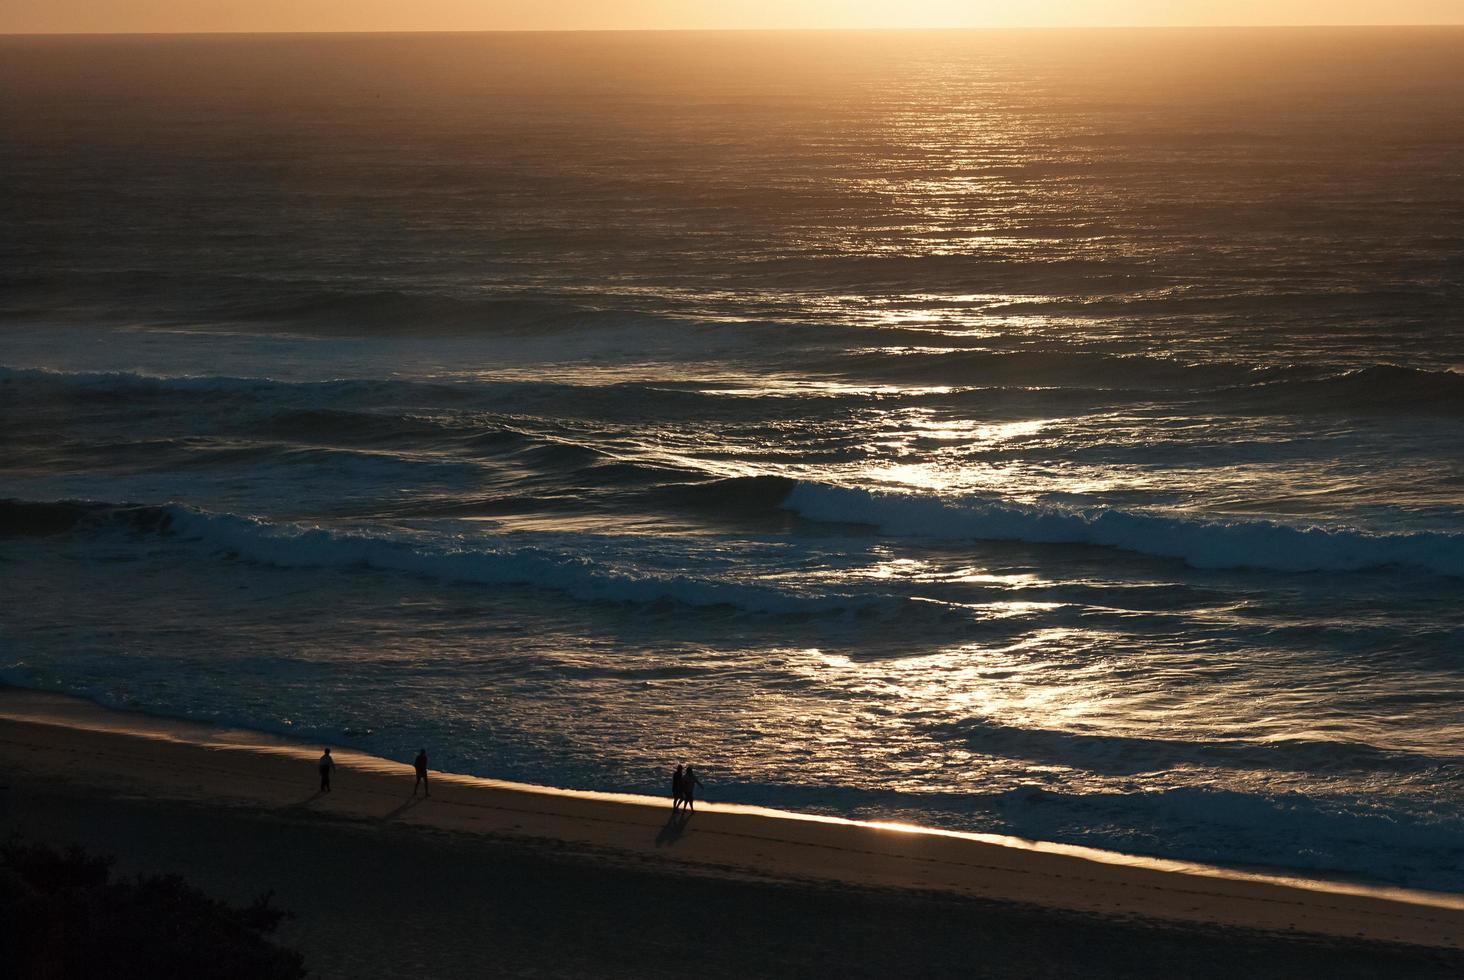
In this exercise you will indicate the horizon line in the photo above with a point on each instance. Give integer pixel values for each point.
(1004, 28)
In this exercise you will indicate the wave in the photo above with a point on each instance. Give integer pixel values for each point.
(557, 324)
(1380, 387)
(624, 569)
(1289, 830)
(131, 385)
(1049, 368)
(1121, 755)
(934, 377)
(307, 305)
(1238, 385)
(344, 427)
(1198, 541)
(29, 518)
(573, 572)
(394, 310)
(1321, 306)
(330, 401)
(733, 495)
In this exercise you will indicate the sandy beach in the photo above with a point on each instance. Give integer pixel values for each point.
(496, 878)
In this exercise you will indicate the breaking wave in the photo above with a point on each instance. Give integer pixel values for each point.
(1200, 542)
(576, 572)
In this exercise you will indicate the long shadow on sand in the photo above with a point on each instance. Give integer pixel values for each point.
(308, 800)
(402, 809)
(674, 828)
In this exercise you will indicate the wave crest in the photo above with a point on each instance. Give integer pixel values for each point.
(1198, 541)
(573, 573)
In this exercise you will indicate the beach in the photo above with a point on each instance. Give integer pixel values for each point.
(491, 878)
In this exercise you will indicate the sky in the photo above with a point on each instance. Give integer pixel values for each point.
(107, 16)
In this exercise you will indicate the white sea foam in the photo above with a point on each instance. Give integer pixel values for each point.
(1199, 541)
(576, 574)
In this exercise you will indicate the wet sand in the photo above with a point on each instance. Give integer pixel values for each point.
(489, 878)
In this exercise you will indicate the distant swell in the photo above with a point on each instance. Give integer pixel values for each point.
(933, 377)
(1290, 388)
(1046, 368)
(1200, 542)
(1382, 387)
(1123, 755)
(395, 311)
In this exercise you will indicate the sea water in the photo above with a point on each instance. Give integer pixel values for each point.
(1053, 434)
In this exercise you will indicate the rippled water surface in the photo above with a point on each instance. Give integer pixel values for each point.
(1052, 434)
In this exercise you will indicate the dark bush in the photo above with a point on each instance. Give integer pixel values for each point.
(62, 916)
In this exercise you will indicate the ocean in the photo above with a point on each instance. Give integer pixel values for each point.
(1054, 434)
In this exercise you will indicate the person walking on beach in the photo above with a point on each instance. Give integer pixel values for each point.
(326, 765)
(689, 783)
(421, 766)
(678, 787)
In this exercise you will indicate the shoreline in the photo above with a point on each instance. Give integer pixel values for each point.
(60, 739)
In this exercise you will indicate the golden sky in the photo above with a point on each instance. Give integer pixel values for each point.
(377, 15)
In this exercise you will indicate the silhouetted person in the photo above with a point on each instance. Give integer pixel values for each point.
(326, 765)
(689, 783)
(678, 787)
(421, 766)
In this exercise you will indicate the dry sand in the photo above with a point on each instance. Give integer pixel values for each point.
(490, 878)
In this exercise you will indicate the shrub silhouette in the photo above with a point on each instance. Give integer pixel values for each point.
(65, 917)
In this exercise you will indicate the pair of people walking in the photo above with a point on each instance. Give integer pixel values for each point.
(327, 766)
(684, 782)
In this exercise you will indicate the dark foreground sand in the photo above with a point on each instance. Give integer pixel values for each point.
(556, 886)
